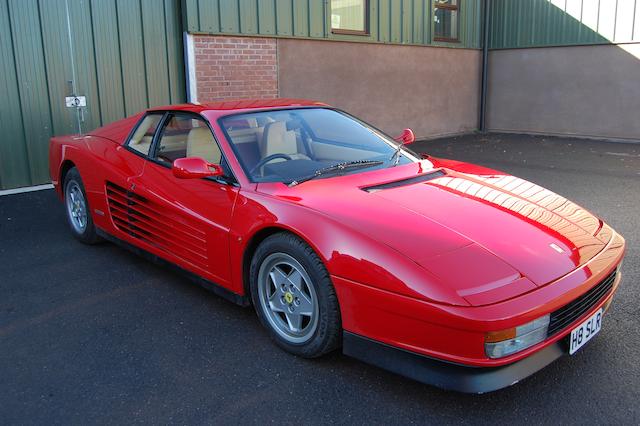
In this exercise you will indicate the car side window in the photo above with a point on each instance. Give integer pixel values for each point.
(186, 136)
(143, 136)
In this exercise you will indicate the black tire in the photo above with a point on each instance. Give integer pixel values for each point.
(328, 330)
(87, 234)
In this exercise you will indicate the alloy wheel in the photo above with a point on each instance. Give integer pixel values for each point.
(288, 298)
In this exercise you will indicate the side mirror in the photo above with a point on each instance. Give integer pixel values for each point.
(406, 137)
(195, 167)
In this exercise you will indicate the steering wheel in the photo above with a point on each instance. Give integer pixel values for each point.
(268, 159)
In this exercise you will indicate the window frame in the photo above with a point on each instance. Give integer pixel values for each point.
(166, 116)
(452, 7)
(153, 151)
(134, 129)
(366, 20)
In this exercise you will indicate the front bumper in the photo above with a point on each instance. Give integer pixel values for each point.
(456, 334)
(460, 377)
(446, 375)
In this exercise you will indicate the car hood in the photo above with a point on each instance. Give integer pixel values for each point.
(486, 235)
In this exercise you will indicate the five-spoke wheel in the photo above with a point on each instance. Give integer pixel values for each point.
(77, 207)
(287, 297)
(294, 296)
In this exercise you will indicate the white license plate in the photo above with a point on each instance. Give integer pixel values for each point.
(585, 331)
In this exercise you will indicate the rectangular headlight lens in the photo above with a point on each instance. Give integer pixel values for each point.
(524, 336)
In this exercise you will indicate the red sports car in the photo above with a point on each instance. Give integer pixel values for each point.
(340, 236)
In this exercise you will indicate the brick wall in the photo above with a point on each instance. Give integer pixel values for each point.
(235, 68)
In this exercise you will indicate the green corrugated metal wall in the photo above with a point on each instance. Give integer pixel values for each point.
(535, 23)
(127, 56)
(391, 21)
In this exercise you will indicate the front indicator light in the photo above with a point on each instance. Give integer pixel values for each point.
(499, 344)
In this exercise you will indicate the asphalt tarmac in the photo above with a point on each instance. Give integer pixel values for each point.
(99, 335)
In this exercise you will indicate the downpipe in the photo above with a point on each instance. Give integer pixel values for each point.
(485, 66)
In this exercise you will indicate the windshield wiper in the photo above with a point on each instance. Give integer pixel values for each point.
(337, 167)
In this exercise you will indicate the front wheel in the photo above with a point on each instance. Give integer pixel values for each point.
(77, 209)
(294, 297)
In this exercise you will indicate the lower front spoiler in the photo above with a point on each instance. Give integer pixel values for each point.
(447, 375)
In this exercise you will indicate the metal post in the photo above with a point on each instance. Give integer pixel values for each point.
(485, 66)
(190, 67)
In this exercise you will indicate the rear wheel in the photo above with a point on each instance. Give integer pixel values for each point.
(294, 297)
(77, 209)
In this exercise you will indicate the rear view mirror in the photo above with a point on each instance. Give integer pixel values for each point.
(406, 137)
(194, 168)
(293, 124)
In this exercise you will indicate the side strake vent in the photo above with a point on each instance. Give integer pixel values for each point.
(403, 182)
(146, 221)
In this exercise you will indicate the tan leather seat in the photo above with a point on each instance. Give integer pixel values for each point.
(278, 140)
(200, 143)
(142, 144)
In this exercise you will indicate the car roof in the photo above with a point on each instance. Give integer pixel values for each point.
(241, 105)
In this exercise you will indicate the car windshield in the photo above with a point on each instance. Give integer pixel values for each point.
(295, 145)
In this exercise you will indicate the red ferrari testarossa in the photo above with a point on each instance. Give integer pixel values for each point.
(340, 236)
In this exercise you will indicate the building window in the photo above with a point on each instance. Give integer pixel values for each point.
(445, 20)
(349, 17)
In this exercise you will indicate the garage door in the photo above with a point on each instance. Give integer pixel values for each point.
(68, 66)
